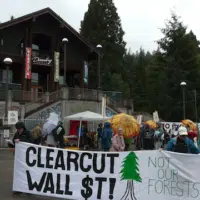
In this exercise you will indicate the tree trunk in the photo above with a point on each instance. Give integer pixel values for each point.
(129, 193)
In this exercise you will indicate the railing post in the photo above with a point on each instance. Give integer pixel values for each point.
(22, 112)
(47, 97)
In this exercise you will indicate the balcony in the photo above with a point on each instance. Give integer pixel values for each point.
(21, 95)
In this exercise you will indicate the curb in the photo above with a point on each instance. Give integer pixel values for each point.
(4, 149)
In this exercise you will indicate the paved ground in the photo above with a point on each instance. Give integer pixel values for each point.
(6, 175)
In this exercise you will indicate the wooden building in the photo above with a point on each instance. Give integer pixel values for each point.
(34, 43)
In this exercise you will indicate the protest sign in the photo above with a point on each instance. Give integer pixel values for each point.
(81, 175)
(171, 127)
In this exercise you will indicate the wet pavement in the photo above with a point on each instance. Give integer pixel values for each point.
(6, 177)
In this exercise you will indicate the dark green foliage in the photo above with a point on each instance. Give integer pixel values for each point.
(152, 80)
(102, 25)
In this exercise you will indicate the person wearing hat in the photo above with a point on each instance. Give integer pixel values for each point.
(181, 143)
(22, 134)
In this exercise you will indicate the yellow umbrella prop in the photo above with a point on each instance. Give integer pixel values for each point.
(189, 123)
(152, 124)
(128, 123)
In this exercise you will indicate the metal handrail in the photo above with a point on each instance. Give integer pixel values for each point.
(42, 98)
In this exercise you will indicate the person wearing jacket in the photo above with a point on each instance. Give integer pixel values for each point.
(118, 143)
(58, 134)
(22, 134)
(182, 143)
(106, 136)
(99, 135)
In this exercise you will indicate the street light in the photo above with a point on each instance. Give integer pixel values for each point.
(183, 85)
(7, 62)
(99, 47)
(65, 41)
(195, 105)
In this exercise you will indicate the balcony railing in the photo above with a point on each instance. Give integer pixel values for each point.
(21, 95)
(82, 94)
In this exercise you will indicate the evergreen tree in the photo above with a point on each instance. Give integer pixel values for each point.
(135, 72)
(177, 60)
(130, 172)
(102, 25)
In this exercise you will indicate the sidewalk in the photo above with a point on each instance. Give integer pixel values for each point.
(6, 174)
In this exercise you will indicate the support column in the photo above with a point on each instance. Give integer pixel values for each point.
(57, 49)
(51, 75)
(65, 108)
(22, 112)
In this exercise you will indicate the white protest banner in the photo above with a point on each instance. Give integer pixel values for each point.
(155, 116)
(139, 175)
(171, 127)
(139, 119)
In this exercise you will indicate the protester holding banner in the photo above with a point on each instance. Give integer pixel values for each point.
(22, 134)
(118, 143)
(181, 143)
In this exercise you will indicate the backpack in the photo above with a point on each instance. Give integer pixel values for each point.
(148, 135)
(58, 133)
(166, 138)
(180, 146)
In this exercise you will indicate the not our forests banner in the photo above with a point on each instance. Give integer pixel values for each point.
(91, 175)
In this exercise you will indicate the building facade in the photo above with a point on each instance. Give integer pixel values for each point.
(34, 43)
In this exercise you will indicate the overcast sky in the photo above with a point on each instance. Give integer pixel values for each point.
(140, 19)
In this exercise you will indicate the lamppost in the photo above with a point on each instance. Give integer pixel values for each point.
(183, 85)
(7, 62)
(65, 41)
(99, 47)
(195, 105)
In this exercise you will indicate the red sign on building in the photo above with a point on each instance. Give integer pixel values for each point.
(28, 63)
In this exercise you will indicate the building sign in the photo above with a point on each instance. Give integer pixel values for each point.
(28, 63)
(41, 61)
(12, 117)
(6, 133)
(85, 72)
(57, 66)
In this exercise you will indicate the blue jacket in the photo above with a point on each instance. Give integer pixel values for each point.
(106, 136)
(192, 149)
(107, 131)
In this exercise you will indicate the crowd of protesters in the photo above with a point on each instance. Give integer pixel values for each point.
(52, 134)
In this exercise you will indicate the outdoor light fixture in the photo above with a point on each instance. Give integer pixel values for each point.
(7, 62)
(183, 85)
(65, 41)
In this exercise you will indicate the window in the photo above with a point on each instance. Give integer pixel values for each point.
(61, 80)
(35, 78)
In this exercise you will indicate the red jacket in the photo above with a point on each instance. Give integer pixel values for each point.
(192, 134)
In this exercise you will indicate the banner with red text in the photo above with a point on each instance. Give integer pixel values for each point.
(28, 63)
(139, 175)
